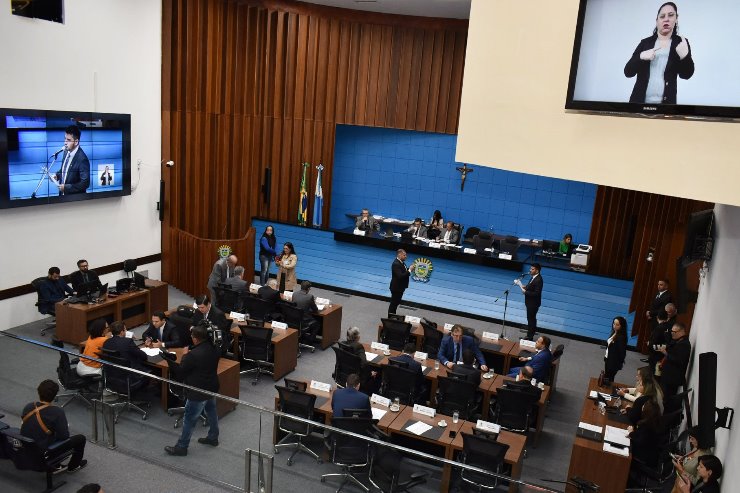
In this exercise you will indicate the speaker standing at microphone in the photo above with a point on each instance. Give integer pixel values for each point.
(532, 297)
(74, 175)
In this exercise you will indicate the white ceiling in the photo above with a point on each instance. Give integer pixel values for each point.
(451, 9)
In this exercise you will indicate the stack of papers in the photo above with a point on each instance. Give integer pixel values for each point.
(418, 428)
(616, 436)
(150, 351)
(378, 413)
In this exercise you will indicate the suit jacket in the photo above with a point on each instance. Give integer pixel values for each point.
(76, 280)
(675, 363)
(348, 398)
(447, 349)
(617, 353)
(471, 373)
(216, 317)
(78, 173)
(219, 273)
(170, 335)
(270, 295)
(659, 301)
(237, 283)
(371, 224)
(540, 364)
(422, 233)
(50, 292)
(127, 350)
(674, 68)
(399, 276)
(454, 236)
(306, 302)
(199, 368)
(533, 291)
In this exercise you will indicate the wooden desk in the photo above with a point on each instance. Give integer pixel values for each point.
(588, 459)
(517, 349)
(330, 319)
(73, 320)
(158, 295)
(228, 379)
(541, 404)
(284, 348)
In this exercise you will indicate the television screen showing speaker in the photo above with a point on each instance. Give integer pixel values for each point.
(656, 58)
(48, 157)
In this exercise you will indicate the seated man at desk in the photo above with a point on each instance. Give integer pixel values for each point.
(450, 234)
(417, 229)
(349, 397)
(453, 345)
(83, 275)
(162, 333)
(126, 347)
(53, 289)
(523, 382)
(408, 357)
(207, 311)
(307, 302)
(366, 222)
(237, 282)
(471, 373)
(539, 361)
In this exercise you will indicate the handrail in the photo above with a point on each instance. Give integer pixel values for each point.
(275, 412)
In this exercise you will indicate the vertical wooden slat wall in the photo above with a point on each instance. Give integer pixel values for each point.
(626, 226)
(262, 84)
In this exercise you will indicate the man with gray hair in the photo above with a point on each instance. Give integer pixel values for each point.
(237, 282)
(222, 270)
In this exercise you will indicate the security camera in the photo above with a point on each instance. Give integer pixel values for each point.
(169, 164)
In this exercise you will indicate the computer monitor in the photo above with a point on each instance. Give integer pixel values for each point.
(101, 291)
(550, 246)
(140, 280)
(88, 288)
(124, 285)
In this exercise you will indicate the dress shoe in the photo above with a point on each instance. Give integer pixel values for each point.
(176, 450)
(209, 441)
(83, 463)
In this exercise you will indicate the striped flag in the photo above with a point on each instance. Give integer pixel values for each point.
(318, 203)
(303, 200)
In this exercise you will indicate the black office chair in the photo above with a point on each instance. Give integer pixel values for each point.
(295, 403)
(345, 364)
(486, 454)
(482, 240)
(295, 384)
(123, 384)
(432, 339)
(399, 382)
(178, 394)
(28, 456)
(75, 386)
(395, 333)
(454, 394)
(514, 410)
(295, 318)
(229, 300)
(470, 233)
(44, 310)
(388, 474)
(651, 478)
(510, 245)
(348, 452)
(550, 381)
(256, 349)
(257, 308)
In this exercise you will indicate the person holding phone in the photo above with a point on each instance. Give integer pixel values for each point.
(686, 465)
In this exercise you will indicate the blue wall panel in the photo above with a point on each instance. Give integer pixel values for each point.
(406, 174)
(572, 302)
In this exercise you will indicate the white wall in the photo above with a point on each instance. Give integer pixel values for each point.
(105, 58)
(715, 328)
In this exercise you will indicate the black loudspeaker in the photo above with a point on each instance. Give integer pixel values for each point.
(266, 186)
(160, 204)
(707, 398)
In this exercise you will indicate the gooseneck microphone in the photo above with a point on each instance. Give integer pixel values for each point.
(64, 148)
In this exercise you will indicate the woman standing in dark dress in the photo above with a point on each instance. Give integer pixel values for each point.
(616, 348)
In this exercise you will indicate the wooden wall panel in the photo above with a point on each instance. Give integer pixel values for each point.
(626, 226)
(261, 84)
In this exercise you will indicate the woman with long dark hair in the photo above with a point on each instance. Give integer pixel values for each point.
(286, 263)
(267, 253)
(616, 348)
(659, 59)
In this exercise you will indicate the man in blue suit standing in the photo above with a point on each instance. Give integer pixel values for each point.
(540, 361)
(74, 175)
(349, 397)
(453, 345)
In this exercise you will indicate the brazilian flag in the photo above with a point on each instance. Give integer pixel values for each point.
(303, 201)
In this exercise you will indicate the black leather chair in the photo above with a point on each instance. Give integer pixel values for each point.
(454, 394)
(486, 454)
(395, 333)
(123, 384)
(348, 452)
(75, 386)
(399, 382)
(510, 245)
(295, 403)
(295, 384)
(229, 300)
(515, 410)
(345, 364)
(256, 349)
(177, 394)
(295, 319)
(482, 240)
(28, 456)
(432, 339)
(470, 233)
(36, 283)
(388, 474)
(257, 308)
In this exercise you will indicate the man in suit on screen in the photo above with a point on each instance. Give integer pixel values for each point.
(74, 176)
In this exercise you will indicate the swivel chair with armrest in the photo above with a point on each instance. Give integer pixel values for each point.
(470, 233)
(300, 404)
(486, 454)
(346, 363)
(454, 394)
(432, 339)
(256, 349)
(510, 245)
(514, 410)
(295, 318)
(41, 305)
(124, 384)
(399, 382)
(482, 240)
(389, 473)
(348, 452)
(395, 333)
(75, 386)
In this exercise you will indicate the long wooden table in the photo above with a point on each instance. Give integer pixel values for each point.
(284, 348)
(588, 459)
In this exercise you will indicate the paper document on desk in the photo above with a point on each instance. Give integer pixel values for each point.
(608, 447)
(322, 301)
(616, 435)
(378, 413)
(590, 427)
(370, 356)
(418, 428)
(151, 351)
(129, 334)
(320, 307)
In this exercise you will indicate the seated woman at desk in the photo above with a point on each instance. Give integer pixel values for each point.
(98, 333)
(436, 225)
(631, 394)
(645, 438)
(566, 245)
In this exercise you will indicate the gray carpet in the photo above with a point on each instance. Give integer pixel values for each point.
(140, 463)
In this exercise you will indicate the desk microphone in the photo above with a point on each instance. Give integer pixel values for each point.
(522, 276)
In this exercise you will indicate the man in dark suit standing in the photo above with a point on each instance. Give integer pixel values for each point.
(676, 361)
(125, 347)
(207, 311)
(658, 303)
(198, 368)
(399, 279)
(349, 397)
(74, 176)
(83, 275)
(162, 333)
(532, 297)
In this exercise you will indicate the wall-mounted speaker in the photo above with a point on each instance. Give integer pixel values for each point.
(160, 204)
(266, 186)
(707, 398)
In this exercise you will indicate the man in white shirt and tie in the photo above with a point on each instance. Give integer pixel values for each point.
(532, 297)
(74, 175)
(450, 234)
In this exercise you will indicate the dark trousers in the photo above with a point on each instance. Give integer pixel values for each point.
(610, 373)
(395, 301)
(532, 320)
(77, 444)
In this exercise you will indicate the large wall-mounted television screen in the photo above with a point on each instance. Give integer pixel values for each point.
(48, 157)
(656, 58)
